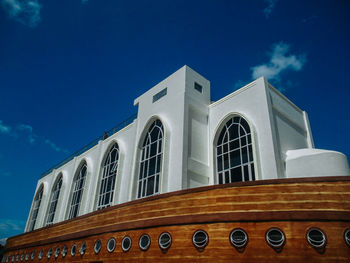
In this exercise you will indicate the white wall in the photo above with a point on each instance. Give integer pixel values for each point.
(251, 103)
(191, 123)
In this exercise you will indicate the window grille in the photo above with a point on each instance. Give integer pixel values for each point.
(78, 188)
(36, 206)
(234, 152)
(151, 161)
(109, 173)
(54, 200)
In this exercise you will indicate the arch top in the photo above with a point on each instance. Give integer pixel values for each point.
(151, 157)
(107, 181)
(233, 146)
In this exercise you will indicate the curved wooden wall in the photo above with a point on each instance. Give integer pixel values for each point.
(292, 205)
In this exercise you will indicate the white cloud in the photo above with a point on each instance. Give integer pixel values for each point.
(10, 227)
(27, 130)
(55, 147)
(26, 12)
(4, 128)
(280, 61)
(270, 6)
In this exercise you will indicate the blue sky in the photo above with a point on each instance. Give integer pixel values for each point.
(70, 69)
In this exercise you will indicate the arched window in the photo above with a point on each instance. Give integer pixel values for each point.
(54, 200)
(234, 153)
(109, 173)
(77, 191)
(150, 161)
(36, 206)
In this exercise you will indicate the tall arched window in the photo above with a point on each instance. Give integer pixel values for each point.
(55, 194)
(77, 191)
(150, 161)
(109, 173)
(36, 206)
(234, 153)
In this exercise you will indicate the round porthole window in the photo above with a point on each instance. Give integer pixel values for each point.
(64, 251)
(200, 239)
(316, 237)
(49, 253)
(82, 248)
(97, 246)
(41, 253)
(111, 245)
(126, 243)
(144, 242)
(164, 240)
(275, 237)
(347, 236)
(33, 255)
(57, 252)
(73, 250)
(238, 238)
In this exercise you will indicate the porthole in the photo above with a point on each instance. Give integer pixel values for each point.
(57, 252)
(33, 255)
(73, 250)
(347, 236)
(164, 240)
(97, 246)
(111, 245)
(238, 238)
(41, 253)
(126, 243)
(144, 242)
(27, 256)
(64, 251)
(82, 248)
(200, 239)
(49, 253)
(275, 237)
(316, 237)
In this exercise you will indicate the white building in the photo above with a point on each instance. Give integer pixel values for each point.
(181, 139)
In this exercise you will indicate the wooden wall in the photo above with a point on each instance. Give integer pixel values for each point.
(219, 249)
(292, 205)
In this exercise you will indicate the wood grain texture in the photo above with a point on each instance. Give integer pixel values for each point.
(294, 205)
(219, 249)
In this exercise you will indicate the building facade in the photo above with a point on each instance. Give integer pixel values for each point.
(181, 139)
